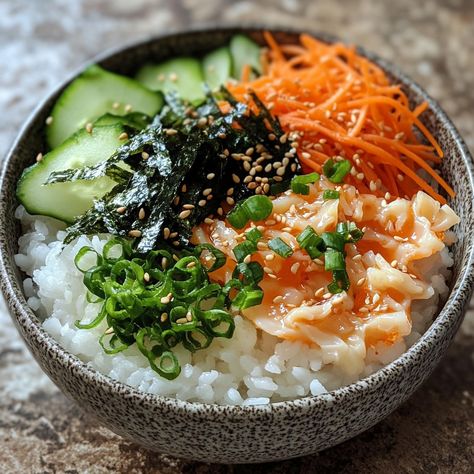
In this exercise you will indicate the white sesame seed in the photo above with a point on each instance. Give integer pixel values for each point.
(171, 131)
(247, 259)
(361, 281)
(400, 177)
(146, 277)
(135, 233)
(326, 296)
(373, 186)
(295, 267)
(278, 299)
(202, 202)
(360, 176)
(394, 263)
(121, 209)
(230, 201)
(184, 214)
(188, 206)
(173, 235)
(123, 136)
(211, 176)
(49, 120)
(387, 196)
(116, 105)
(39, 157)
(191, 264)
(166, 233)
(88, 127)
(235, 179)
(145, 155)
(207, 191)
(269, 257)
(208, 220)
(141, 214)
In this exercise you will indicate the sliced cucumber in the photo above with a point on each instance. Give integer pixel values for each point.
(91, 95)
(244, 51)
(135, 120)
(66, 201)
(183, 75)
(217, 67)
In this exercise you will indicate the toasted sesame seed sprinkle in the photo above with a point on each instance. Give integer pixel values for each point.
(376, 298)
(295, 267)
(394, 263)
(363, 309)
(211, 176)
(116, 105)
(269, 257)
(135, 233)
(173, 77)
(188, 206)
(175, 243)
(235, 178)
(121, 209)
(171, 131)
(361, 281)
(39, 157)
(146, 277)
(326, 296)
(208, 220)
(191, 264)
(49, 120)
(164, 300)
(123, 136)
(230, 201)
(262, 245)
(184, 214)
(88, 127)
(247, 259)
(166, 233)
(220, 211)
(207, 191)
(399, 239)
(319, 293)
(145, 155)
(387, 196)
(400, 177)
(202, 203)
(357, 257)
(141, 214)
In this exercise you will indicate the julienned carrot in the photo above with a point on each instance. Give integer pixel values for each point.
(338, 103)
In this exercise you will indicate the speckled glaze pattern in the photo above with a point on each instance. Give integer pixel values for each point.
(239, 434)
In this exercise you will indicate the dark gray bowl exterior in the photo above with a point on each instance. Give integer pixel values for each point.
(239, 434)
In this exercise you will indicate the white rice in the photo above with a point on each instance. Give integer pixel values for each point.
(251, 368)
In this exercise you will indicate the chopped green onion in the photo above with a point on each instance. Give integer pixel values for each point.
(280, 247)
(247, 298)
(243, 249)
(299, 184)
(280, 187)
(334, 260)
(254, 208)
(333, 240)
(340, 282)
(330, 194)
(336, 171)
(254, 235)
(350, 231)
(160, 300)
(311, 242)
(257, 207)
(237, 217)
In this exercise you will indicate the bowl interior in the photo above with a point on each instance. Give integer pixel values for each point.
(456, 168)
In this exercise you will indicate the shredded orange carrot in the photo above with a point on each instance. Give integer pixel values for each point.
(333, 102)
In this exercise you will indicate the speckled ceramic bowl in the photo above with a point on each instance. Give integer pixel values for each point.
(239, 434)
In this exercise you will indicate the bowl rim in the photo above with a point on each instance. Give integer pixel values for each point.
(17, 303)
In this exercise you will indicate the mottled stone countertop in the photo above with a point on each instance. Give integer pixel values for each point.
(43, 41)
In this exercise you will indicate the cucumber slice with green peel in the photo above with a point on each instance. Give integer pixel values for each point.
(217, 67)
(244, 51)
(183, 75)
(135, 120)
(94, 93)
(66, 201)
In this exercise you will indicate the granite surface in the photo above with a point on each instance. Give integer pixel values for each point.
(43, 41)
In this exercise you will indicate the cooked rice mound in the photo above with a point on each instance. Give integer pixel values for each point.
(300, 341)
